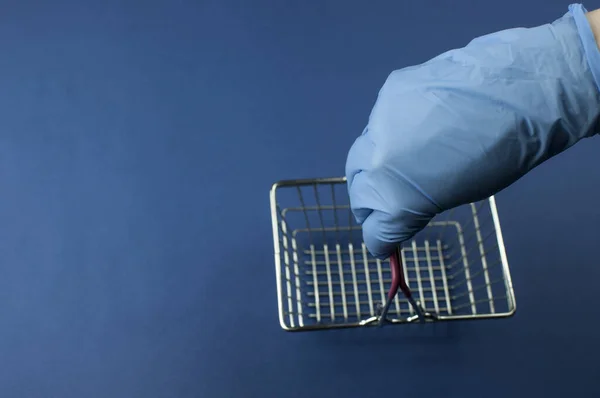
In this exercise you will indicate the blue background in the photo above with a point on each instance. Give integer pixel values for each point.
(138, 143)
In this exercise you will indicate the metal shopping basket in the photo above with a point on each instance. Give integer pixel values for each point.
(456, 267)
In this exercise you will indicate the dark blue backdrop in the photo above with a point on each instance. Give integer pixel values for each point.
(138, 143)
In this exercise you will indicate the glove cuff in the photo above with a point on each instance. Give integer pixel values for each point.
(588, 41)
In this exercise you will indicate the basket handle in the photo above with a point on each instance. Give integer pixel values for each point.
(399, 282)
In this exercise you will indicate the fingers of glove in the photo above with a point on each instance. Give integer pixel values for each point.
(388, 207)
(358, 160)
(382, 232)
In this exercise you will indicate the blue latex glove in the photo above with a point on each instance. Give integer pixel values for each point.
(468, 123)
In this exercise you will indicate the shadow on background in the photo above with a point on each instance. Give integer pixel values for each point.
(394, 335)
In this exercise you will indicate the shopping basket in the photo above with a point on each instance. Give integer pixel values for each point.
(456, 267)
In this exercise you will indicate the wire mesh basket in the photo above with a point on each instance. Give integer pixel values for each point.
(456, 267)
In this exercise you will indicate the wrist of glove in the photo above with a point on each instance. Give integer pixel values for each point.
(470, 122)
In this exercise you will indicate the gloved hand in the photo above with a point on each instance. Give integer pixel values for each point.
(468, 123)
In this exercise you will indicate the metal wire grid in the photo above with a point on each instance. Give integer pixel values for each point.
(327, 279)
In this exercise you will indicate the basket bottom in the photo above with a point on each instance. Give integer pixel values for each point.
(342, 285)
